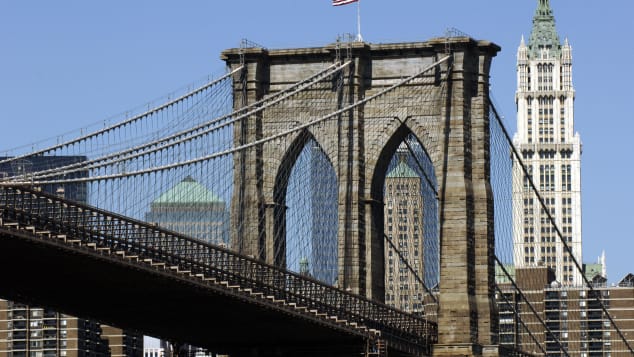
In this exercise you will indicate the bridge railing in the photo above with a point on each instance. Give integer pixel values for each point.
(147, 241)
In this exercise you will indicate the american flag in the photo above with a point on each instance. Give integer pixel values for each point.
(342, 2)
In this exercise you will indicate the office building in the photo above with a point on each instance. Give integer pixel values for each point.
(191, 209)
(574, 315)
(551, 153)
(33, 331)
(153, 352)
(27, 167)
(122, 343)
(404, 228)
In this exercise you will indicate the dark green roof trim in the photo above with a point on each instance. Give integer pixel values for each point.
(188, 191)
(402, 170)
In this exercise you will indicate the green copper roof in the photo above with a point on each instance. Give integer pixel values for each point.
(544, 33)
(188, 191)
(402, 170)
(592, 270)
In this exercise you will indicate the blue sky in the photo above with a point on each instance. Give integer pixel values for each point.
(66, 64)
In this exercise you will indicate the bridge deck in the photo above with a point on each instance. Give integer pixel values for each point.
(168, 285)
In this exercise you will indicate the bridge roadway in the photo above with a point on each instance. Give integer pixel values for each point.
(91, 263)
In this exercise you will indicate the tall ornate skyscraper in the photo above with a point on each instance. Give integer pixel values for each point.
(550, 149)
(404, 227)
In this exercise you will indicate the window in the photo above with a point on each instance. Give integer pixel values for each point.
(566, 178)
(545, 119)
(547, 178)
(36, 313)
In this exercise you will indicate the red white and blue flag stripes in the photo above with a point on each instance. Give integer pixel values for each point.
(342, 2)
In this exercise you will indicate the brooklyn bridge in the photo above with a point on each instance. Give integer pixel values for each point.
(261, 214)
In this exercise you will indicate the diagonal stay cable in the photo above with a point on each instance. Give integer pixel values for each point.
(530, 306)
(254, 143)
(418, 163)
(557, 230)
(188, 134)
(516, 313)
(124, 122)
(404, 260)
(432, 186)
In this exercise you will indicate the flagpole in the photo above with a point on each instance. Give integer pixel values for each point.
(359, 38)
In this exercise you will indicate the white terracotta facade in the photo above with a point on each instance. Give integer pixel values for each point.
(551, 151)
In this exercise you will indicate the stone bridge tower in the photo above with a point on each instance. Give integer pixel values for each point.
(453, 128)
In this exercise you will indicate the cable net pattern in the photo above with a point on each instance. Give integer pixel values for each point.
(175, 165)
(548, 304)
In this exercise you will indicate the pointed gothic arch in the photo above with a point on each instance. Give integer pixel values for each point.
(319, 246)
(452, 124)
(425, 170)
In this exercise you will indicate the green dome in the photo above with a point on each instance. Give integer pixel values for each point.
(402, 170)
(188, 191)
